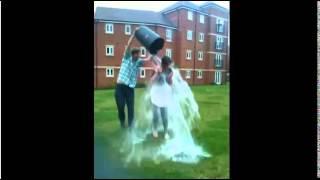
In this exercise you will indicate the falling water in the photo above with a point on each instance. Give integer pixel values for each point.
(183, 115)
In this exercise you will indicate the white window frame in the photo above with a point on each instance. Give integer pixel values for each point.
(109, 69)
(108, 28)
(220, 23)
(168, 35)
(188, 51)
(201, 18)
(111, 47)
(199, 74)
(189, 35)
(217, 77)
(201, 37)
(200, 55)
(144, 73)
(145, 51)
(127, 26)
(190, 15)
(219, 40)
(218, 59)
(188, 74)
(169, 52)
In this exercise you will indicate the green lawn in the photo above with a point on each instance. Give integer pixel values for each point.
(212, 134)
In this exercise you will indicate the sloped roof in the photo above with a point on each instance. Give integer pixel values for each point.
(187, 4)
(129, 15)
(193, 6)
(214, 5)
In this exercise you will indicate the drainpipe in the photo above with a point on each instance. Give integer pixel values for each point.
(96, 42)
(195, 52)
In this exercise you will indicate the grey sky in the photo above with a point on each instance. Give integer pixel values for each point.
(148, 5)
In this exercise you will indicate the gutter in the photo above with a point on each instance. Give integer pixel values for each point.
(130, 22)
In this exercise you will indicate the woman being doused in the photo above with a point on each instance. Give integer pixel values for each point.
(161, 93)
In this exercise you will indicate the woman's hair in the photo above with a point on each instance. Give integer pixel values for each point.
(166, 60)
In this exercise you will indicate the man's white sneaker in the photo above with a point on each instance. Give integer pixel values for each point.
(155, 134)
(166, 136)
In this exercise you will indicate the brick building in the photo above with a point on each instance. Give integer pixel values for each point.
(196, 38)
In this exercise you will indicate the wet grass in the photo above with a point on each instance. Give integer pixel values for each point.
(212, 133)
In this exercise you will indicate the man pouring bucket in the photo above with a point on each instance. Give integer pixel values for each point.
(129, 70)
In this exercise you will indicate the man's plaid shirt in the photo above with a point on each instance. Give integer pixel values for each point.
(129, 70)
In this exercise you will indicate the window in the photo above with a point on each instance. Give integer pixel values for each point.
(218, 60)
(219, 42)
(168, 52)
(142, 73)
(143, 52)
(109, 72)
(188, 74)
(199, 74)
(188, 54)
(169, 35)
(109, 29)
(189, 35)
(127, 29)
(220, 25)
(201, 37)
(190, 15)
(201, 19)
(109, 50)
(217, 77)
(200, 55)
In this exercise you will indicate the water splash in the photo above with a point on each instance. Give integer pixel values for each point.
(183, 114)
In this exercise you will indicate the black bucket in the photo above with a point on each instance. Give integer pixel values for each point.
(149, 39)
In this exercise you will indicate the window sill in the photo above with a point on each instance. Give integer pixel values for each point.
(110, 55)
(108, 32)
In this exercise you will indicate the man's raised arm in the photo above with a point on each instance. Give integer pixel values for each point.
(126, 52)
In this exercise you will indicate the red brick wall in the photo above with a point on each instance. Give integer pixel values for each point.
(201, 46)
(183, 43)
(104, 81)
(95, 52)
